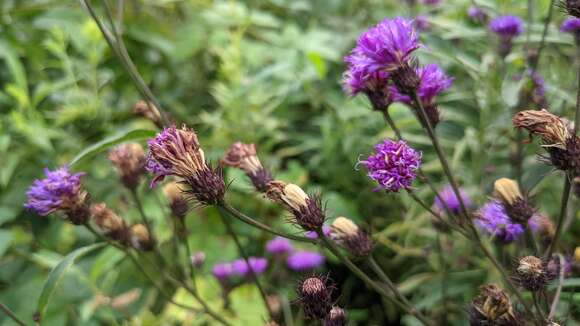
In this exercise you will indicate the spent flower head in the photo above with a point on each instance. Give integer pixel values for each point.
(393, 165)
(245, 157)
(129, 160)
(351, 237)
(492, 307)
(307, 210)
(110, 223)
(336, 317)
(531, 273)
(315, 297)
(60, 191)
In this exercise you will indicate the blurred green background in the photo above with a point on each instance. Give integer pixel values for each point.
(266, 72)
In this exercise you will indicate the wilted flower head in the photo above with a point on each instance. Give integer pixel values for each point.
(531, 273)
(148, 111)
(447, 200)
(244, 157)
(109, 222)
(279, 246)
(177, 152)
(307, 211)
(336, 317)
(304, 260)
(315, 297)
(388, 45)
(517, 206)
(129, 160)
(493, 219)
(61, 191)
(351, 237)
(492, 307)
(140, 237)
(507, 26)
(477, 13)
(393, 165)
(242, 268)
(571, 25)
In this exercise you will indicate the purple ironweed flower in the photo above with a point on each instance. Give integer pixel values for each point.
(279, 246)
(494, 220)
(422, 23)
(304, 260)
(432, 2)
(507, 26)
(477, 13)
(374, 85)
(448, 199)
(393, 165)
(571, 25)
(312, 234)
(222, 271)
(241, 268)
(387, 46)
(177, 152)
(61, 190)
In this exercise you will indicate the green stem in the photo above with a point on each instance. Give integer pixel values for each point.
(242, 252)
(561, 218)
(10, 314)
(534, 64)
(556, 299)
(443, 267)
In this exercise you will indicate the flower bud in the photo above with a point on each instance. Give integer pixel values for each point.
(197, 259)
(306, 210)
(348, 234)
(244, 157)
(109, 222)
(517, 206)
(315, 298)
(140, 237)
(336, 317)
(129, 160)
(177, 202)
(492, 307)
(577, 255)
(531, 273)
(148, 111)
(545, 228)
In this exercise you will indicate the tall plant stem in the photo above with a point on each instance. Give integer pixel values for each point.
(10, 314)
(232, 233)
(468, 220)
(534, 63)
(369, 282)
(556, 299)
(250, 221)
(561, 218)
(443, 267)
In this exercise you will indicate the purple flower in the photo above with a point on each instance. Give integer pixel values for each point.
(393, 165)
(494, 220)
(60, 190)
(507, 26)
(450, 200)
(312, 234)
(241, 268)
(433, 81)
(432, 2)
(422, 23)
(222, 271)
(304, 260)
(477, 13)
(279, 246)
(386, 46)
(571, 25)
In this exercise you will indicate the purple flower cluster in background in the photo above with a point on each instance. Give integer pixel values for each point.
(422, 23)
(279, 246)
(58, 190)
(432, 2)
(449, 200)
(304, 260)
(571, 25)
(477, 13)
(239, 268)
(507, 26)
(393, 165)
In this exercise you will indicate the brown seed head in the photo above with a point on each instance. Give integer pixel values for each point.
(140, 237)
(315, 297)
(109, 222)
(491, 307)
(552, 129)
(129, 161)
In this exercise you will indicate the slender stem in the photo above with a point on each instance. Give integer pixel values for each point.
(10, 314)
(443, 268)
(437, 216)
(537, 305)
(242, 252)
(535, 62)
(556, 300)
(369, 282)
(248, 220)
(561, 218)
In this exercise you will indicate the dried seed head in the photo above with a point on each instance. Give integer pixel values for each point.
(492, 307)
(507, 190)
(177, 202)
(148, 111)
(306, 210)
(567, 159)
(531, 273)
(336, 317)
(572, 7)
(552, 129)
(315, 297)
(351, 237)
(129, 160)
(244, 157)
(109, 222)
(140, 237)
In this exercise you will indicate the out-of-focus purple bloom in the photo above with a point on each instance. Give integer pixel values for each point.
(477, 13)
(494, 220)
(304, 260)
(241, 268)
(571, 25)
(312, 234)
(59, 190)
(279, 246)
(393, 165)
(433, 82)
(422, 23)
(358, 79)
(450, 200)
(386, 46)
(507, 26)
(432, 2)
(222, 271)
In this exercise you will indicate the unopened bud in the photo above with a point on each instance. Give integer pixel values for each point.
(336, 317)
(517, 206)
(109, 222)
(349, 235)
(315, 298)
(177, 202)
(197, 259)
(140, 237)
(129, 160)
(306, 210)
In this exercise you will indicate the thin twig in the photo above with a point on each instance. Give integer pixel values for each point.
(534, 64)
(556, 300)
(10, 314)
(561, 218)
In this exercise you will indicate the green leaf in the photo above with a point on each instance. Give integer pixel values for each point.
(57, 273)
(110, 142)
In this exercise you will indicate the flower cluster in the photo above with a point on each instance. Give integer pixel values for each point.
(304, 260)
(494, 219)
(60, 191)
(477, 14)
(393, 165)
(239, 268)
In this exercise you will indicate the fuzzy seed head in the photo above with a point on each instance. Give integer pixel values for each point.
(531, 273)
(315, 297)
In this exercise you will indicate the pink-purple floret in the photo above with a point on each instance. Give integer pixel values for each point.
(571, 25)
(448, 199)
(304, 260)
(494, 220)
